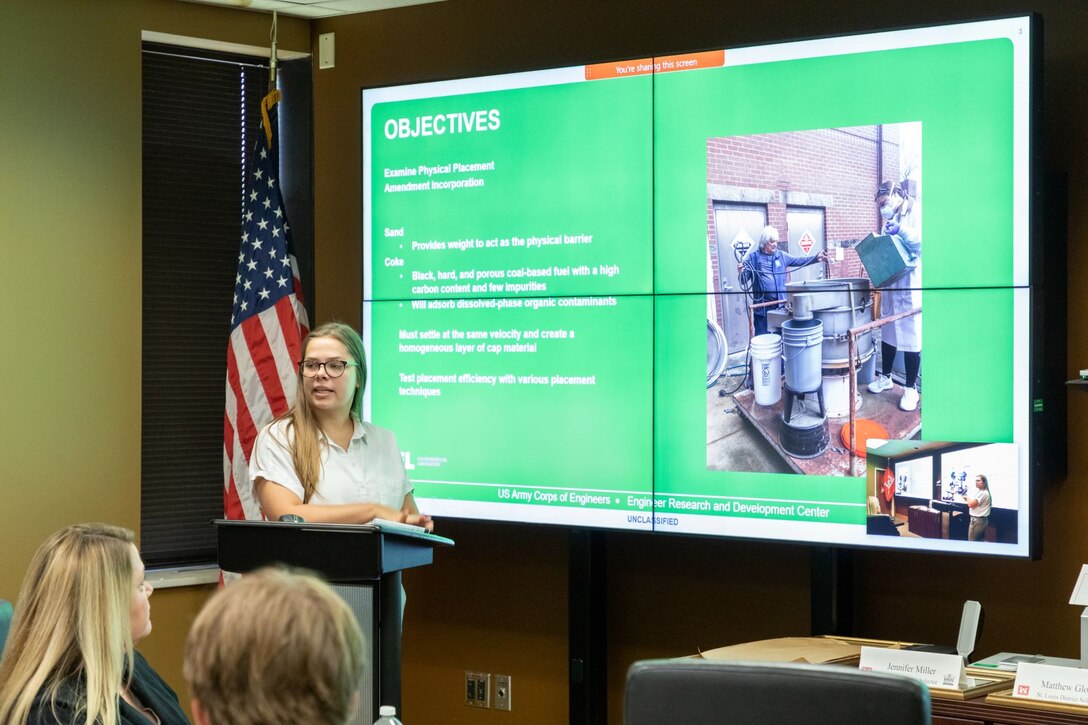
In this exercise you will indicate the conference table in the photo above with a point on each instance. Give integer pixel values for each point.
(977, 711)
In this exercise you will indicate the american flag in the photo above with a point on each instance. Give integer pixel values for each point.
(268, 322)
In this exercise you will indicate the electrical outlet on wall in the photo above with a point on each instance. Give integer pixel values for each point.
(483, 690)
(502, 692)
(470, 688)
(478, 689)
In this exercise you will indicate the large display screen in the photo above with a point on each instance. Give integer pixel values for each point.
(543, 252)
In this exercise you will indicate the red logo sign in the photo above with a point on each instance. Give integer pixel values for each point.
(805, 242)
(888, 485)
(1023, 689)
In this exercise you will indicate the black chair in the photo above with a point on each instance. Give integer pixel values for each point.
(698, 692)
(881, 525)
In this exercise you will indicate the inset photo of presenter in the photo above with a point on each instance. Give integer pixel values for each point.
(943, 490)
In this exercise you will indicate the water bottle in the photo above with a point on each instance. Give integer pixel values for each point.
(388, 716)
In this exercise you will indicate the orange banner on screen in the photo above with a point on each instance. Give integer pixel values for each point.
(664, 64)
(619, 69)
(689, 61)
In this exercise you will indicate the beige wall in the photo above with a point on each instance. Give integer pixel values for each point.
(498, 601)
(70, 194)
(70, 251)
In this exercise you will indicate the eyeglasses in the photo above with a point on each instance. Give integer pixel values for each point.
(333, 368)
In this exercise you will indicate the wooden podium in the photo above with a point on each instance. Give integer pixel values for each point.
(362, 564)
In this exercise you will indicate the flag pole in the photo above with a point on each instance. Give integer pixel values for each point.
(268, 320)
(273, 96)
(272, 59)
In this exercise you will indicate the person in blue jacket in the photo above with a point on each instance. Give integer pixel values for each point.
(763, 271)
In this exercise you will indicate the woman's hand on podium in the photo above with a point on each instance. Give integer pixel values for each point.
(418, 519)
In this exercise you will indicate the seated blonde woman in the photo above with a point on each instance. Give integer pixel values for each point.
(69, 657)
(277, 647)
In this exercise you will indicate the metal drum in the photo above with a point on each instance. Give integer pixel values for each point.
(840, 304)
(830, 293)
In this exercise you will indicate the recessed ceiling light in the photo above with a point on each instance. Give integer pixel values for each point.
(313, 9)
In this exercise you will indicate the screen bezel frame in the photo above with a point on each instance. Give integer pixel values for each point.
(1039, 386)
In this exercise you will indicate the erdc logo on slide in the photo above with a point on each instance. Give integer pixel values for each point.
(406, 457)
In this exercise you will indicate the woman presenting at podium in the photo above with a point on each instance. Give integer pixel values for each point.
(319, 460)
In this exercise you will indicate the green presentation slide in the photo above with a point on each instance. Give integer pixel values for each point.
(537, 279)
(545, 193)
(505, 401)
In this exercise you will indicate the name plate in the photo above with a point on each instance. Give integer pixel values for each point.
(930, 668)
(1051, 683)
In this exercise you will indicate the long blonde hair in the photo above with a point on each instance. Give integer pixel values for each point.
(308, 438)
(277, 646)
(71, 628)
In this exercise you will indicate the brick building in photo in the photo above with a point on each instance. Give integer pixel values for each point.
(815, 187)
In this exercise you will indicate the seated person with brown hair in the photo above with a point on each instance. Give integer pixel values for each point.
(277, 646)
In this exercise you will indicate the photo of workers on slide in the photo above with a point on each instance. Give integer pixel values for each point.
(814, 321)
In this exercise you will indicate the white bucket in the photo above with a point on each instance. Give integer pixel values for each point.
(803, 342)
(767, 368)
(836, 395)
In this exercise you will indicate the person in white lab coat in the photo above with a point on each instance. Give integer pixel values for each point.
(901, 216)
